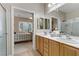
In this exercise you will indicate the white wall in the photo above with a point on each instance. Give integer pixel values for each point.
(37, 8)
(8, 18)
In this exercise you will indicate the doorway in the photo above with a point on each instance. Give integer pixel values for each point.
(24, 31)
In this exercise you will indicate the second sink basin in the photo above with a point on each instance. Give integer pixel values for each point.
(73, 41)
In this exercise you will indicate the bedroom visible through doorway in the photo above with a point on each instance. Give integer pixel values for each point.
(23, 32)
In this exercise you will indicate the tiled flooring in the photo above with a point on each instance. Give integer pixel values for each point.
(25, 49)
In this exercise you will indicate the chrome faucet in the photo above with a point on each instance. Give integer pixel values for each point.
(68, 36)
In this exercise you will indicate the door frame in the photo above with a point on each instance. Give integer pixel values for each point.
(5, 27)
(12, 25)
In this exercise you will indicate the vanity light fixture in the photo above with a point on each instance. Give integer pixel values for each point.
(51, 4)
(30, 18)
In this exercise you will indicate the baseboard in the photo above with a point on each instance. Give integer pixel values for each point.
(23, 41)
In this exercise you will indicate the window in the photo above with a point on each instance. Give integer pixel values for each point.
(25, 26)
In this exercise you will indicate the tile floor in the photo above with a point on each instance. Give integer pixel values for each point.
(25, 49)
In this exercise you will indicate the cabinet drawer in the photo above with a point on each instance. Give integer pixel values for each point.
(50, 43)
(45, 46)
(45, 41)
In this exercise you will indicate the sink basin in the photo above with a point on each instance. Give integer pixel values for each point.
(73, 41)
(65, 39)
(54, 35)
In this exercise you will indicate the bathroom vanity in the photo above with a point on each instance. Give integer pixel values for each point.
(55, 46)
(67, 23)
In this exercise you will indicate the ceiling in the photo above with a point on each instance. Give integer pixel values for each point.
(20, 13)
(69, 7)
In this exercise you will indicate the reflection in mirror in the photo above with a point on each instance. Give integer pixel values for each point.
(54, 24)
(71, 27)
(43, 23)
(66, 28)
(70, 14)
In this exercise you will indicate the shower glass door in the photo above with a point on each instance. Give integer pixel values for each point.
(3, 36)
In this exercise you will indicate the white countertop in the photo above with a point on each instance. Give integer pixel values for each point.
(65, 41)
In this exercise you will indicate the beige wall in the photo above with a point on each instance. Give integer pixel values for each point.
(16, 23)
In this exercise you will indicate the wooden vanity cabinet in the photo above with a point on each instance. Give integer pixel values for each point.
(66, 50)
(49, 47)
(69, 51)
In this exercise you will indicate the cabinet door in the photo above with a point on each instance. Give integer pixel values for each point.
(50, 47)
(77, 52)
(41, 45)
(45, 47)
(37, 43)
(69, 51)
(55, 48)
(61, 49)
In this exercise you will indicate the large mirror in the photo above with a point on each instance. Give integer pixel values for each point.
(43, 23)
(70, 25)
